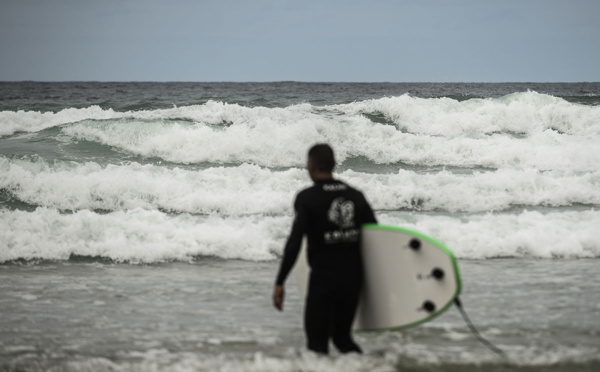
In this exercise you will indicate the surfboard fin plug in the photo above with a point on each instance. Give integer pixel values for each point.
(429, 306)
(414, 244)
(437, 273)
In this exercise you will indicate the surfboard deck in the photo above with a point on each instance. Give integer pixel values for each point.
(410, 278)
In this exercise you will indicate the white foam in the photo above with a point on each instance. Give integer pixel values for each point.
(525, 113)
(248, 189)
(478, 192)
(269, 137)
(137, 236)
(405, 356)
(214, 113)
(69, 186)
(152, 236)
(271, 143)
(164, 360)
(527, 234)
(520, 130)
(34, 121)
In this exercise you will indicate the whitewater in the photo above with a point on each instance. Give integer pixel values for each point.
(105, 184)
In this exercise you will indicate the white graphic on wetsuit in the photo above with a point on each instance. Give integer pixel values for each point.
(341, 213)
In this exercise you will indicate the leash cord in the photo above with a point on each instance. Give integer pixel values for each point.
(475, 332)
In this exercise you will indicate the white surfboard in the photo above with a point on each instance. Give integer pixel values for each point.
(410, 278)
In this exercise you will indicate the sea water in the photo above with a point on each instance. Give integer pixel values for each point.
(141, 224)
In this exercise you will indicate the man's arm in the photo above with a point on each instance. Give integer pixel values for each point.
(290, 253)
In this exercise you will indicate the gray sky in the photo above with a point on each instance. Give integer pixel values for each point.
(310, 40)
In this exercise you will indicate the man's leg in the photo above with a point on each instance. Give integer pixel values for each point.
(344, 312)
(317, 316)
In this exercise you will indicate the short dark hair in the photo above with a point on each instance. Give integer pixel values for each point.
(322, 156)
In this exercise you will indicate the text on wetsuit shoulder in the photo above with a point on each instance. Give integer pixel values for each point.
(334, 187)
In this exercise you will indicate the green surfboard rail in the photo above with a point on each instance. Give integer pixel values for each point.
(438, 244)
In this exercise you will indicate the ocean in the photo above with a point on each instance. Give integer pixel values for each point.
(142, 224)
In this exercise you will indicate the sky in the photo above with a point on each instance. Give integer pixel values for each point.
(309, 40)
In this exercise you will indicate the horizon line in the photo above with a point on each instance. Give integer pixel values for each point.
(299, 81)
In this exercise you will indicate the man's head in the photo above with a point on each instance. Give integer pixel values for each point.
(321, 161)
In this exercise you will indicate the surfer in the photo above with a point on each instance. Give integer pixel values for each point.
(330, 214)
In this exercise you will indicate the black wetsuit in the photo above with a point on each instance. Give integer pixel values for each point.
(330, 214)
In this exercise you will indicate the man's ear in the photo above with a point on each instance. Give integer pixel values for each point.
(310, 166)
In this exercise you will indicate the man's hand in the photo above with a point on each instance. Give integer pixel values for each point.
(278, 295)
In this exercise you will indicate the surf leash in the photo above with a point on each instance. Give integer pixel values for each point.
(476, 333)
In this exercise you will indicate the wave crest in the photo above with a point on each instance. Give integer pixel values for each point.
(249, 189)
(148, 236)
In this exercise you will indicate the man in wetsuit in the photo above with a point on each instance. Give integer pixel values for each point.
(330, 214)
